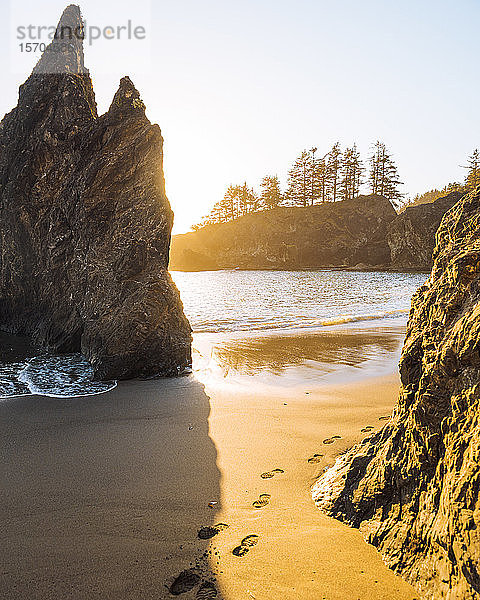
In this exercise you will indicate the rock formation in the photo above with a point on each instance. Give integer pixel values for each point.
(411, 236)
(335, 234)
(85, 223)
(413, 488)
(362, 233)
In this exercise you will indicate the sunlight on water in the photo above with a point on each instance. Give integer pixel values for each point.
(217, 301)
(262, 324)
(289, 328)
(297, 357)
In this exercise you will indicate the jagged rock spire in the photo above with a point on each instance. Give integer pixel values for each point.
(127, 97)
(85, 222)
(65, 53)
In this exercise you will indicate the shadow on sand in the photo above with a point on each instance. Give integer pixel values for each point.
(103, 496)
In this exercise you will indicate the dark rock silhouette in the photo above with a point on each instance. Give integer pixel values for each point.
(85, 223)
(413, 488)
(411, 236)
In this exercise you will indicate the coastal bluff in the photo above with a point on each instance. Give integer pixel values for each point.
(413, 488)
(334, 234)
(362, 233)
(85, 223)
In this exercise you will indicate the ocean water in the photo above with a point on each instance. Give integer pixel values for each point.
(65, 376)
(229, 301)
(250, 323)
(294, 328)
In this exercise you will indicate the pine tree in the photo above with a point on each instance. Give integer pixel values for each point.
(383, 177)
(321, 179)
(333, 173)
(346, 175)
(318, 178)
(230, 204)
(254, 203)
(271, 195)
(472, 180)
(299, 180)
(351, 173)
(247, 199)
(358, 171)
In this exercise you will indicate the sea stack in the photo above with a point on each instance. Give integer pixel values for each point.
(85, 224)
(413, 488)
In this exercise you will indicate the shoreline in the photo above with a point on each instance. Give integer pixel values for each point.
(305, 553)
(290, 360)
(106, 494)
(366, 269)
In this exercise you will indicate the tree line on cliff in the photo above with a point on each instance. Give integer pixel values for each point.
(472, 180)
(337, 175)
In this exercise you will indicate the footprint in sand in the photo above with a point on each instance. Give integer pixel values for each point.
(332, 439)
(185, 582)
(206, 591)
(272, 473)
(316, 458)
(262, 501)
(206, 533)
(367, 429)
(245, 545)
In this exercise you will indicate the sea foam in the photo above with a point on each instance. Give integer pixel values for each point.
(64, 376)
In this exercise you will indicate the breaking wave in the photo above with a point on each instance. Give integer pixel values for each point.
(252, 325)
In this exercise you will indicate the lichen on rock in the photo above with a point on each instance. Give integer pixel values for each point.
(413, 488)
(85, 223)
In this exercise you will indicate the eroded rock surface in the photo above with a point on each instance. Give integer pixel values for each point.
(411, 236)
(85, 223)
(413, 488)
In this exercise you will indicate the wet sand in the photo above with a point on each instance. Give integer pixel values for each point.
(300, 553)
(104, 496)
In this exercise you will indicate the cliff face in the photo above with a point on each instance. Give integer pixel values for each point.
(411, 236)
(413, 488)
(339, 234)
(364, 232)
(85, 223)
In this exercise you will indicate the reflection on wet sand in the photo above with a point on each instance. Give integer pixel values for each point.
(155, 490)
(311, 355)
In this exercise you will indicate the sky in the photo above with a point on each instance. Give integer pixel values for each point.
(239, 89)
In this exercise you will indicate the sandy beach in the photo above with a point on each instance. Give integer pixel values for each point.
(104, 496)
